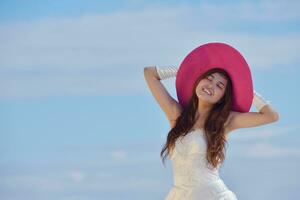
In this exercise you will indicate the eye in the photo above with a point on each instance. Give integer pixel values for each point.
(220, 87)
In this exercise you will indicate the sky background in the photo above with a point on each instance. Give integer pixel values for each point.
(78, 121)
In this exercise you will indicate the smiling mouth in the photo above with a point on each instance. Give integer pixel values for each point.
(207, 91)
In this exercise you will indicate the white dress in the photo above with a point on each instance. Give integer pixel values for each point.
(193, 177)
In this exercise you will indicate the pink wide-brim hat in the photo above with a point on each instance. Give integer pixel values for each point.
(216, 55)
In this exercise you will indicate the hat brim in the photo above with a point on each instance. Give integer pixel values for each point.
(216, 55)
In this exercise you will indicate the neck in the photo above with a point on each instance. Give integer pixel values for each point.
(203, 109)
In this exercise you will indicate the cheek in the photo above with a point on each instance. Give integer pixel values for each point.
(220, 93)
(198, 88)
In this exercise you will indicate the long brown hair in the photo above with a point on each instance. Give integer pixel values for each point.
(214, 130)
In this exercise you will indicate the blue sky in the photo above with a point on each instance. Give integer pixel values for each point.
(79, 122)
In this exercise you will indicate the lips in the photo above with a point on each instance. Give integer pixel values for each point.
(207, 91)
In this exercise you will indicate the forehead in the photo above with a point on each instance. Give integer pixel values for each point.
(219, 76)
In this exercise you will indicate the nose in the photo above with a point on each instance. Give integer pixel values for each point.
(210, 85)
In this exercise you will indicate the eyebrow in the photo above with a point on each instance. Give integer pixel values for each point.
(219, 81)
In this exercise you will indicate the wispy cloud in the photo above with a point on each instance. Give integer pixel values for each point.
(257, 141)
(266, 10)
(106, 40)
(74, 184)
(264, 149)
(263, 133)
(119, 155)
(32, 182)
(76, 175)
(105, 53)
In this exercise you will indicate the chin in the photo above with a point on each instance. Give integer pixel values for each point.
(203, 98)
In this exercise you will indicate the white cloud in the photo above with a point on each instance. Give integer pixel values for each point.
(266, 10)
(105, 53)
(263, 133)
(61, 182)
(106, 40)
(263, 149)
(256, 141)
(119, 155)
(44, 85)
(31, 181)
(76, 175)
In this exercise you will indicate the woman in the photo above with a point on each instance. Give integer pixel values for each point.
(200, 128)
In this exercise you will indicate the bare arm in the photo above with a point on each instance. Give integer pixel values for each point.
(266, 115)
(167, 103)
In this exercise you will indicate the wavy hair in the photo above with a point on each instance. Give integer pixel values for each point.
(214, 130)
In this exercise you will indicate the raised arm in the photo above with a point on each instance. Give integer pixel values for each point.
(266, 114)
(167, 103)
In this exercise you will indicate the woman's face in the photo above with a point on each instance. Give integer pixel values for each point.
(211, 88)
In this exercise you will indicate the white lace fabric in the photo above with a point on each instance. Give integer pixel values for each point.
(194, 178)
